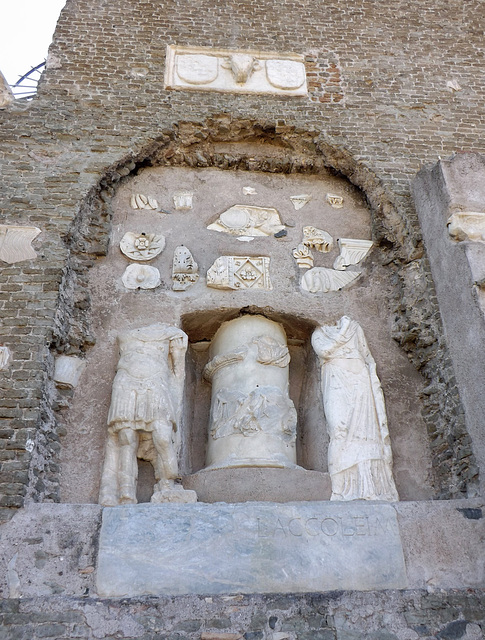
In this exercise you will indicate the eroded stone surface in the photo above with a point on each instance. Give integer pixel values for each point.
(297, 547)
(142, 246)
(68, 370)
(243, 220)
(141, 276)
(352, 251)
(322, 280)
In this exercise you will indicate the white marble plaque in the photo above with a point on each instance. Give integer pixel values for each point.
(235, 71)
(256, 547)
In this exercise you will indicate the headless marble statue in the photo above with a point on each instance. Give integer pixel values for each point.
(359, 454)
(144, 416)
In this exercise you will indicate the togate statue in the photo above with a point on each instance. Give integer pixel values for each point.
(359, 455)
(253, 420)
(144, 416)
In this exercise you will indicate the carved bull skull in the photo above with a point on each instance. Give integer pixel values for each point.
(241, 66)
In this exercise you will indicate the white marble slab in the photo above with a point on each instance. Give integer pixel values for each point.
(249, 548)
(235, 71)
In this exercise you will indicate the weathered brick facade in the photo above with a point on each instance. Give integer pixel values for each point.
(379, 108)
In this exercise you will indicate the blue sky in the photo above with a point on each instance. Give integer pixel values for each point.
(26, 30)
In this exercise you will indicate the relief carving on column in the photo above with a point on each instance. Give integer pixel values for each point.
(144, 415)
(359, 454)
(252, 420)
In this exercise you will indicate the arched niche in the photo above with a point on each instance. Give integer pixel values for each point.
(241, 152)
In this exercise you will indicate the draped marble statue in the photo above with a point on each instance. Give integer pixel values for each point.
(252, 420)
(359, 455)
(144, 416)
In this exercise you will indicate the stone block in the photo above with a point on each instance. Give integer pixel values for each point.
(249, 548)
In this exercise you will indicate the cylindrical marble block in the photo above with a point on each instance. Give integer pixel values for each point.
(253, 420)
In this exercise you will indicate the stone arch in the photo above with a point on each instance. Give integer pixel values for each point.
(231, 144)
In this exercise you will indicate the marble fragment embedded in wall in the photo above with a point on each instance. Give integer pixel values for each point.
(317, 239)
(303, 256)
(252, 420)
(300, 201)
(4, 357)
(182, 200)
(242, 220)
(322, 280)
(68, 370)
(352, 251)
(467, 225)
(141, 276)
(6, 95)
(15, 243)
(139, 201)
(337, 202)
(240, 272)
(185, 270)
(207, 69)
(142, 246)
(359, 454)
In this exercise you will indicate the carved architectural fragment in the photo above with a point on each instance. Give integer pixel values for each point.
(4, 357)
(207, 69)
(352, 251)
(144, 416)
(6, 95)
(243, 220)
(141, 276)
(322, 280)
(252, 420)
(301, 200)
(317, 239)
(240, 272)
(15, 243)
(139, 201)
(142, 246)
(359, 455)
(185, 270)
(467, 225)
(182, 200)
(337, 202)
(303, 256)
(249, 191)
(68, 370)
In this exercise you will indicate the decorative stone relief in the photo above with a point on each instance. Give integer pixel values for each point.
(141, 276)
(182, 200)
(68, 370)
(4, 357)
(207, 69)
(337, 202)
(15, 243)
(242, 220)
(359, 454)
(6, 95)
(303, 256)
(467, 225)
(317, 239)
(185, 270)
(240, 272)
(139, 201)
(322, 280)
(351, 252)
(300, 201)
(142, 246)
(249, 191)
(144, 415)
(252, 420)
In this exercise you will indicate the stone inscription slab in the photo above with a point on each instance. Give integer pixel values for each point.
(248, 548)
